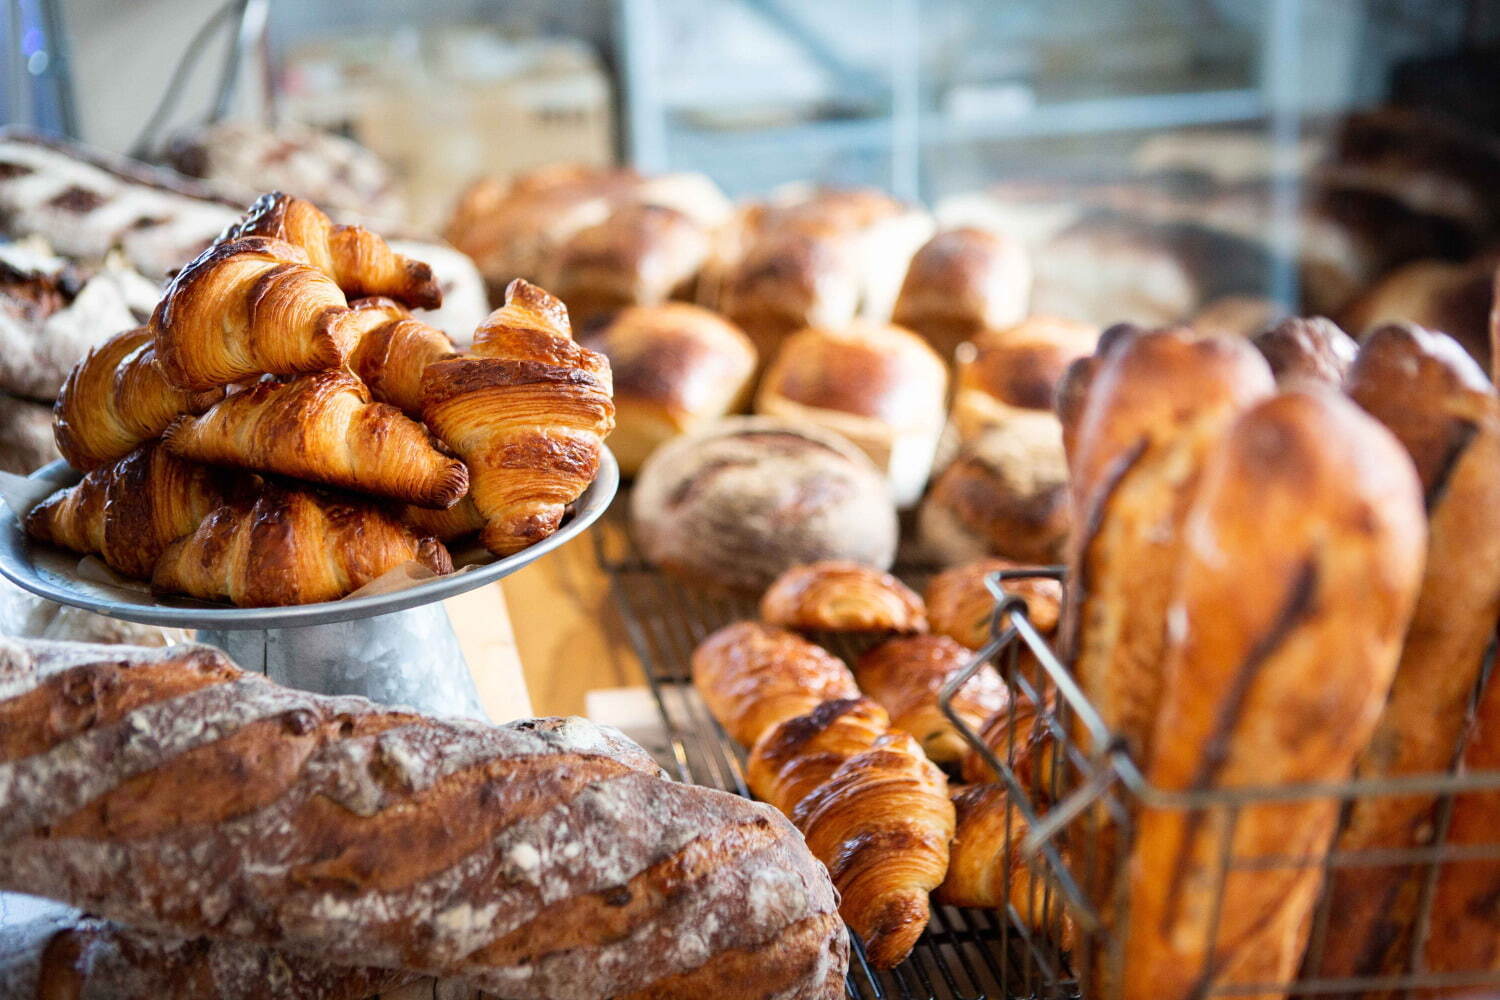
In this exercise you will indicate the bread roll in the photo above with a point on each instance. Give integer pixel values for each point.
(1307, 348)
(1272, 637)
(641, 255)
(1010, 378)
(879, 386)
(735, 505)
(1005, 494)
(961, 283)
(1455, 298)
(676, 368)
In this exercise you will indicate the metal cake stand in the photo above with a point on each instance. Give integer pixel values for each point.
(396, 648)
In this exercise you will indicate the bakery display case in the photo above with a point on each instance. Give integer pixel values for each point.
(1037, 464)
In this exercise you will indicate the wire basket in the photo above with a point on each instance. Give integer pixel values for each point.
(1075, 902)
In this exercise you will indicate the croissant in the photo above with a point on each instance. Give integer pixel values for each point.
(463, 518)
(529, 416)
(905, 675)
(960, 605)
(360, 262)
(1017, 734)
(983, 867)
(783, 766)
(753, 676)
(291, 546)
(881, 822)
(116, 398)
(246, 307)
(839, 596)
(393, 352)
(324, 428)
(129, 511)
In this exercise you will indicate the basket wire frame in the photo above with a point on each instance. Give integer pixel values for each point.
(1052, 940)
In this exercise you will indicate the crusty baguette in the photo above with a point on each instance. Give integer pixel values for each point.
(1465, 931)
(1158, 407)
(66, 955)
(1427, 389)
(168, 790)
(1281, 656)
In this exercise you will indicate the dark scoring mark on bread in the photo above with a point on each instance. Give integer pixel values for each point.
(1463, 434)
(1296, 608)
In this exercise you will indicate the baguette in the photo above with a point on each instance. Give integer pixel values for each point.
(1426, 389)
(1270, 644)
(1158, 407)
(547, 859)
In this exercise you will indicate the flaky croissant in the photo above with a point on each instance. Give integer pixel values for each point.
(357, 259)
(394, 350)
(841, 596)
(528, 415)
(960, 605)
(116, 398)
(986, 870)
(247, 307)
(873, 809)
(463, 518)
(326, 429)
(127, 512)
(753, 676)
(291, 546)
(906, 674)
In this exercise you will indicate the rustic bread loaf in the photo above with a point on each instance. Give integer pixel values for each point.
(548, 858)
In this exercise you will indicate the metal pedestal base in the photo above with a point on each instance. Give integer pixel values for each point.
(409, 658)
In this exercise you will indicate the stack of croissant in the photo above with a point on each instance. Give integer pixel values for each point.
(284, 431)
(851, 757)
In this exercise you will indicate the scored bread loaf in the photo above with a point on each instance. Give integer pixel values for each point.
(1443, 410)
(1270, 642)
(544, 860)
(63, 954)
(1157, 409)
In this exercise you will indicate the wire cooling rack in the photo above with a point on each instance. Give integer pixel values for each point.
(966, 954)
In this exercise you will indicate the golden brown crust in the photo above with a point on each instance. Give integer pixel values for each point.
(529, 416)
(1465, 932)
(1022, 365)
(882, 824)
(393, 352)
(1005, 494)
(867, 369)
(675, 367)
(639, 255)
(128, 512)
(984, 869)
(1400, 369)
(458, 521)
(1019, 735)
(116, 398)
(874, 810)
(1423, 386)
(960, 605)
(291, 546)
(1072, 398)
(323, 428)
(1273, 639)
(790, 279)
(962, 282)
(1307, 347)
(841, 596)
(1158, 408)
(753, 676)
(905, 676)
(247, 307)
(358, 260)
